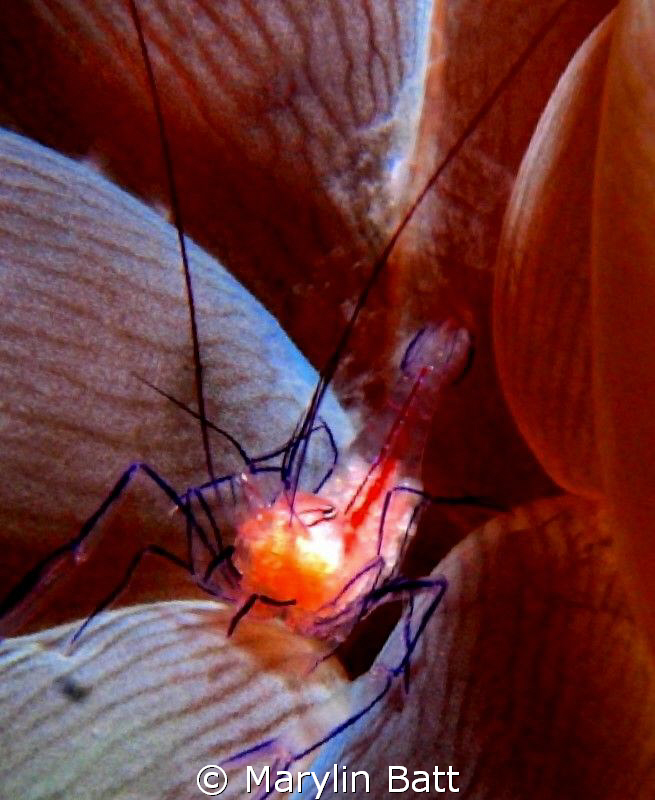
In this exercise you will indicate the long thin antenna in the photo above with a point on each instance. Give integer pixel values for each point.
(330, 368)
(177, 219)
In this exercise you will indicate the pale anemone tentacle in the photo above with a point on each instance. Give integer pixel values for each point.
(156, 692)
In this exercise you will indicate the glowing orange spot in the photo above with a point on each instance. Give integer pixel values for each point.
(296, 556)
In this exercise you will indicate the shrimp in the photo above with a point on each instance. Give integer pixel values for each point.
(315, 558)
(328, 550)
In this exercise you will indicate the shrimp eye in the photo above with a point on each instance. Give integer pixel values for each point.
(312, 516)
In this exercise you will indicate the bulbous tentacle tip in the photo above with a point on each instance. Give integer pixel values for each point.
(623, 292)
(542, 290)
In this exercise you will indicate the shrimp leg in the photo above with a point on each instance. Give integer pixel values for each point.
(15, 607)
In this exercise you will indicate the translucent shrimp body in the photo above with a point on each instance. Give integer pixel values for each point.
(324, 553)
